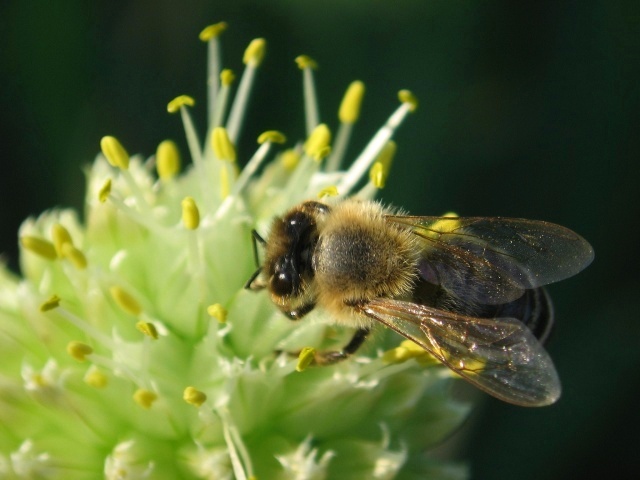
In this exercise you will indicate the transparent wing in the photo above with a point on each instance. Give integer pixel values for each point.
(493, 260)
(500, 356)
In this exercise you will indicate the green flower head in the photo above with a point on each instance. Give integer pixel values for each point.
(131, 349)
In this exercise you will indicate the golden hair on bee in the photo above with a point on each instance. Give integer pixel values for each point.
(467, 290)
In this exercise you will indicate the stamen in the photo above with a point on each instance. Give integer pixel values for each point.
(406, 351)
(375, 145)
(290, 159)
(350, 107)
(379, 171)
(118, 157)
(190, 213)
(51, 304)
(212, 31)
(179, 104)
(114, 152)
(79, 350)
(330, 191)
(305, 358)
(348, 114)
(95, 378)
(266, 139)
(406, 96)
(180, 101)
(316, 148)
(227, 78)
(222, 146)
(218, 312)
(194, 397)
(210, 35)
(307, 65)
(75, 256)
(253, 56)
(39, 246)
(318, 142)
(60, 237)
(145, 398)
(148, 328)
(191, 221)
(167, 160)
(125, 300)
(105, 191)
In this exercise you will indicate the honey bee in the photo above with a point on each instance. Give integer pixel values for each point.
(467, 290)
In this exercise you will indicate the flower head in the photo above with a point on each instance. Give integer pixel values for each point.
(131, 349)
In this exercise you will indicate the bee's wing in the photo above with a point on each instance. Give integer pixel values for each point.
(493, 260)
(500, 356)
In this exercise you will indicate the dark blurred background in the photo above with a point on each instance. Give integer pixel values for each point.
(526, 110)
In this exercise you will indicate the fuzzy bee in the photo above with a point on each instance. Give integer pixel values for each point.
(467, 290)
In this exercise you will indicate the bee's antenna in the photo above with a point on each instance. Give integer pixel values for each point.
(257, 238)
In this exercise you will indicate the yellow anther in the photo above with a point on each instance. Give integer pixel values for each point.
(446, 224)
(380, 169)
(148, 328)
(305, 358)
(376, 175)
(95, 378)
(105, 191)
(180, 101)
(305, 61)
(39, 246)
(450, 214)
(167, 160)
(222, 146)
(272, 136)
(144, 398)
(60, 237)
(254, 54)
(405, 351)
(227, 77)
(290, 159)
(212, 31)
(79, 350)
(351, 102)
(194, 397)
(218, 312)
(406, 96)
(114, 152)
(408, 350)
(125, 300)
(75, 256)
(331, 191)
(50, 304)
(190, 213)
(322, 153)
(318, 141)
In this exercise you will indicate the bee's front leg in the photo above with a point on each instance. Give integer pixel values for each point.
(335, 356)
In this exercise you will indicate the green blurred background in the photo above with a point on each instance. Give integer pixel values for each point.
(526, 110)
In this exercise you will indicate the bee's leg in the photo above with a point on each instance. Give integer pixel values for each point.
(331, 357)
(300, 311)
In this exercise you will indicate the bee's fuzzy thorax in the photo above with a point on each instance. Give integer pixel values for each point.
(361, 256)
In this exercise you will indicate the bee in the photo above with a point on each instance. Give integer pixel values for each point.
(466, 290)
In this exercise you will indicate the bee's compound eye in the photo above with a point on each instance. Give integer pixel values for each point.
(282, 284)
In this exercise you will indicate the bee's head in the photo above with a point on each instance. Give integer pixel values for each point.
(287, 269)
(287, 264)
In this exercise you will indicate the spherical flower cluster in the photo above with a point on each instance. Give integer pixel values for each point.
(131, 349)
